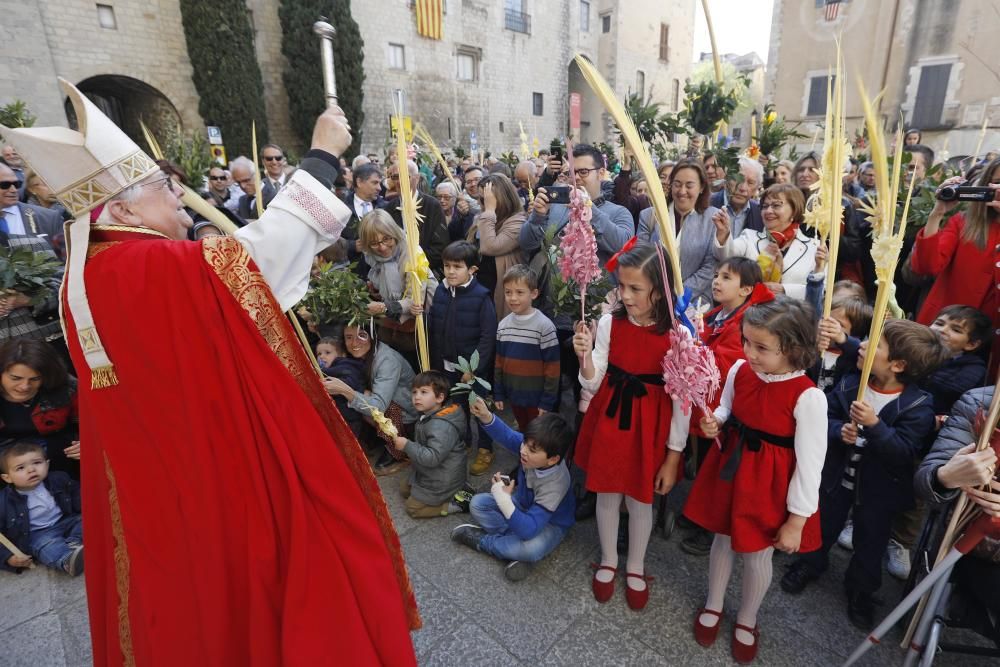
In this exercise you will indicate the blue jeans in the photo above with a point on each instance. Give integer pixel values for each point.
(502, 543)
(50, 546)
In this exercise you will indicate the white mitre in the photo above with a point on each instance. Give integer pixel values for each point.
(84, 169)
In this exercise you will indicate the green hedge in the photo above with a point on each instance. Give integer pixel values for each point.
(220, 44)
(303, 76)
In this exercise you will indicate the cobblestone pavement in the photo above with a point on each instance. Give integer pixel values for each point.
(473, 616)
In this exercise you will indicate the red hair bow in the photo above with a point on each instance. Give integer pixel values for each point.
(613, 262)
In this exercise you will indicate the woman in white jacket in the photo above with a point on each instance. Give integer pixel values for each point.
(785, 254)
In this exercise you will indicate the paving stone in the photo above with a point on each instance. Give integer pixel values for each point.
(34, 643)
(75, 626)
(24, 596)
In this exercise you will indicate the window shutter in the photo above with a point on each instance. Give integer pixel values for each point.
(931, 92)
(664, 42)
(817, 96)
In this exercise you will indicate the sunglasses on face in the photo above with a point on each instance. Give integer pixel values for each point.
(216, 178)
(7, 185)
(274, 158)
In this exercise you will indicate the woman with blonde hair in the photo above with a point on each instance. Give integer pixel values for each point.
(384, 248)
(496, 231)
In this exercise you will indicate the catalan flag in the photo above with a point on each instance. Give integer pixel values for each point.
(430, 17)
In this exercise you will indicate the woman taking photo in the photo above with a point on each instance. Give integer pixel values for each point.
(786, 255)
(388, 377)
(688, 193)
(964, 256)
(39, 402)
(496, 231)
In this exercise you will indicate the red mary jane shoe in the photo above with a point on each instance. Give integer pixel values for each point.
(745, 653)
(637, 600)
(704, 634)
(603, 590)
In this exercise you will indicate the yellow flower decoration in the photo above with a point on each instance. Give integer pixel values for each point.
(770, 118)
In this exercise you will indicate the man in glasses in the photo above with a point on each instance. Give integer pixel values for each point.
(243, 175)
(39, 230)
(274, 167)
(270, 486)
(13, 159)
(221, 197)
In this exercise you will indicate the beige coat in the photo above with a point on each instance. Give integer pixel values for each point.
(501, 241)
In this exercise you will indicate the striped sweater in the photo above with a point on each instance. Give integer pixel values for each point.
(527, 362)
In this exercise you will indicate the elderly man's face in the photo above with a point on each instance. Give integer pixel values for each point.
(12, 157)
(744, 191)
(218, 182)
(158, 207)
(523, 178)
(274, 161)
(868, 178)
(368, 188)
(243, 178)
(8, 192)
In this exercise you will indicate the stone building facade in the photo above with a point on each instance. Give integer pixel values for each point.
(934, 60)
(500, 65)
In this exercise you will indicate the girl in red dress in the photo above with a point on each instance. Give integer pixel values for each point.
(633, 433)
(760, 492)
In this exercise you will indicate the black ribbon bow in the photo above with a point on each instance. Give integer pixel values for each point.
(752, 438)
(626, 387)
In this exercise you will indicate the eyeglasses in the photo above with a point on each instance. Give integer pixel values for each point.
(773, 205)
(7, 185)
(216, 178)
(274, 158)
(165, 182)
(582, 172)
(387, 242)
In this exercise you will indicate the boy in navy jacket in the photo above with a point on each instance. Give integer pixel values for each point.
(463, 320)
(39, 512)
(962, 330)
(522, 520)
(874, 447)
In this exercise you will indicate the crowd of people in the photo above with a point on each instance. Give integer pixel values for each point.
(786, 458)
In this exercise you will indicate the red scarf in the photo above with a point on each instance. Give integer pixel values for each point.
(785, 237)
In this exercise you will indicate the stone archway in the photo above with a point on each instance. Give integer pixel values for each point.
(125, 101)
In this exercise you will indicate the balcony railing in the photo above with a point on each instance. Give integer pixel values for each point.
(517, 21)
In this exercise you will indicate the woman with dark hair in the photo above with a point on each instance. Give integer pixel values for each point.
(962, 255)
(39, 402)
(688, 192)
(498, 229)
(388, 377)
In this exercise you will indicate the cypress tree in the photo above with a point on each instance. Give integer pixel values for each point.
(220, 44)
(303, 75)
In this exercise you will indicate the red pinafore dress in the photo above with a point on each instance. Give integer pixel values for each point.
(742, 490)
(623, 438)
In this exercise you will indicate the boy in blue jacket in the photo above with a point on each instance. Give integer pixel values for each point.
(874, 447)
(962, 330)
(522, 520)
(39, 512)
(463, 320)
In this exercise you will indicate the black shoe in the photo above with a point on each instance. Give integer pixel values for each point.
(74, 564)
(798, 576)
(698, 543)
(517, 570)
(622, 533)
(861, 610)
(586, 507)
(468, 534)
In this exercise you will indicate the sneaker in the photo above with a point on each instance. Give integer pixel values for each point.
(462, 499)
(74, 562)
(898, 558)
(468, 534)
(698, 543)
(484, 459)
(517, 570)
(846, 537)
(798, 576)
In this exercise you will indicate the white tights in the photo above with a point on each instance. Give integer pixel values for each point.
(756, 580)
(640, 525)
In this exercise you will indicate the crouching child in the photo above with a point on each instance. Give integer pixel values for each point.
(522, 519)
(437, 451)
(39, 512)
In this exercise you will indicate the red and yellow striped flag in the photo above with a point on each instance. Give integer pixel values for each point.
(430, 17)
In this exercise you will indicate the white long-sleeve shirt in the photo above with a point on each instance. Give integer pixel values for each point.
(679, 422)
(303, 219)
(799, 260)
(810, 439)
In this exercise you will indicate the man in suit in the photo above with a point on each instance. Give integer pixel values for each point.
(433, 229)
(243, 175)
(39, 230)
(274, 167)
(12, 159)
(364, 196)
(739, 197)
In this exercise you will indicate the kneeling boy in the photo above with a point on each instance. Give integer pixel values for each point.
(524, 519)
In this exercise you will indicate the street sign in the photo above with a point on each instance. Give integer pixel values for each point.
(407, 127)
(574, 114)
(473, 144)
(214, 135)
(219, 154)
